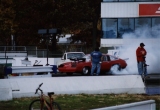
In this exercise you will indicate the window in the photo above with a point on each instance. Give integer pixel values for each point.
(142, 22)
(143, 0)
(155, 21)
(108, 57)
(125, 25)
(155, 29)
(115, 28)
(104, 58)
(109, 28)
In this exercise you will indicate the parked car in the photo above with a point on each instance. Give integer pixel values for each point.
(83, 65)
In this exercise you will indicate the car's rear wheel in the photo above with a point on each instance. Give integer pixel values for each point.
(86, 71)
(69, 74)
(114, 69)
(118, 67)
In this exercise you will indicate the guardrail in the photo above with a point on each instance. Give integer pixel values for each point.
(30, 71)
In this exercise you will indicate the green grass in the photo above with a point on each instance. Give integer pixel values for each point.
(82, 101)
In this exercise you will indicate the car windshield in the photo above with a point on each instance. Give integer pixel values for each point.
(75, 55)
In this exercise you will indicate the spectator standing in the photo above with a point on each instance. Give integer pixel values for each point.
(96, 58)
(141, 55)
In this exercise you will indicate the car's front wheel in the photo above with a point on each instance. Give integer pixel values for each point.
(86, 71)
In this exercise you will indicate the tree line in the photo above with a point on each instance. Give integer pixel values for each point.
(23, 19)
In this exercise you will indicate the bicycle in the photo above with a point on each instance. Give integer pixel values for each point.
(42, 103)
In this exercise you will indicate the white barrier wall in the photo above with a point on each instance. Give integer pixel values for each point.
(143, 105)
(6, 94)
(25, 87)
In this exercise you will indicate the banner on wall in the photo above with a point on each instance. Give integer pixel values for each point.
(149, 9)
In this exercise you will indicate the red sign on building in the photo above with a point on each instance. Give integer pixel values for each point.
(149, 9)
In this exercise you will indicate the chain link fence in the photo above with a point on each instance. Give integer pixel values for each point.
(33, 51)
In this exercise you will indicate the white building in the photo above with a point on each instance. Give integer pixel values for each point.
(124, 16)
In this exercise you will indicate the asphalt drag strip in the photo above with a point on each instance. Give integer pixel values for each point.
(152, 83)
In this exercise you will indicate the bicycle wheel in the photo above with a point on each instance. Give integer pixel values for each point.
(56, 106)
(36, 105)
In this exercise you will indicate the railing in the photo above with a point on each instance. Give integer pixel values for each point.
(13, 54)
(18, 51)
(15, 51)
(24, 51)
(13, 48)
(29, 51)
(31, 71)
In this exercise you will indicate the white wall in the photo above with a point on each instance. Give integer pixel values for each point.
(25, 87)
(125, 42)
(121, 9)
(143, 105)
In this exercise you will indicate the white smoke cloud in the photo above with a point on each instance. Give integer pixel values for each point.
(151, 38)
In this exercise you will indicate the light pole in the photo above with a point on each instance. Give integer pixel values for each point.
(44, 33)
(48, 33)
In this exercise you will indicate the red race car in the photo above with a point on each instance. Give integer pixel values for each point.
(83, 65)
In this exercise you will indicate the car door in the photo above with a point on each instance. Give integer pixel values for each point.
(105, 65)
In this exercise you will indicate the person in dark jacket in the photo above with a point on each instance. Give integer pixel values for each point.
(141, 55)
(96, 58)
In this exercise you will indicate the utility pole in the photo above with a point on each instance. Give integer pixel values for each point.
(12, 39)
